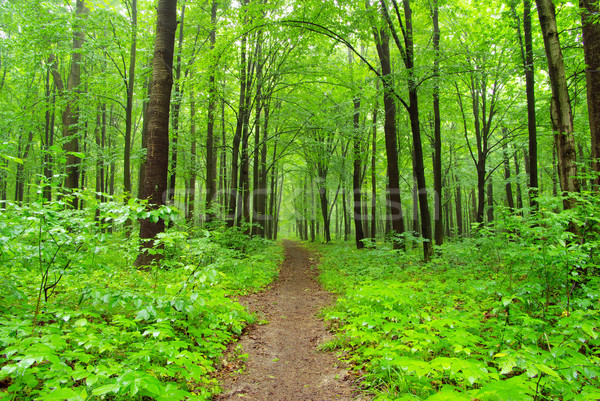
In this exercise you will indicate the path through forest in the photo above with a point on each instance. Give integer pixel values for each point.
(284, 363)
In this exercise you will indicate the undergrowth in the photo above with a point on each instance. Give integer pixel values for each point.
(79, 322)
(510, 315)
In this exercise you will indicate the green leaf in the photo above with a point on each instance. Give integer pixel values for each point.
(13, 159)
(60, 394)
(547, 370)
(106, 389)
(79, 155)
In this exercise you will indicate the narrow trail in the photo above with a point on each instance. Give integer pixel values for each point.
(284, 363)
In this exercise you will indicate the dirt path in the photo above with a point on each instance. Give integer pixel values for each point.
(284, 363)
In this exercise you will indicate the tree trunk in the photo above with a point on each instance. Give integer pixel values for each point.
(562, 118)
(507, 180)
(374, 172)
(157, 164)
(437, 131)
(49, 138)
(211, 171)
(70, 115)
(389, 128)
(191, 190)
(532, 163)
(130, 85)
(591, 49)
(356, 178)
(490, 200)
(237, 138)
(175, 112)
(459, 207)
(142, 172)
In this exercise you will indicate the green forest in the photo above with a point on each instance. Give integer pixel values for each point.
(440, 159)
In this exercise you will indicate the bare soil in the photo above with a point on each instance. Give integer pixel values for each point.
(284, 362)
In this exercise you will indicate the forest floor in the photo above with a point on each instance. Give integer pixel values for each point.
(284, 362)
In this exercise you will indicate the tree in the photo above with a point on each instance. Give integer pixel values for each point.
(70, 115)
(157, 162)
(591, 49)
(408, 57)
(382, 41)
(560, 110)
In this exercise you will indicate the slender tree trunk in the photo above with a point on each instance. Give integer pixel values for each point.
(413, 112)
(211, 161)
(490, 200)
(237, 139)
(178, 94)
(191, 190)
(562, 118)
(389, 127)
(518, 174)
(129, 85)
(142, 172)
(591, 49)
(70, 115)
(507, 180)
(324, 211)
(374, 173)
(459, 207)
(157, 164)
(49, 138)
(437, 132)
(532, 163)
(356, 178)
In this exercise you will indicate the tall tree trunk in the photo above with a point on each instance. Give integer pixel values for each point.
(142, 172)
(389, 128)
(562, 118)
(437, 132)
(49, 138)
(591, 49)
(374, 172)
(157, 164)
(175, 111)
(191, 190)
(532, 163)
(70, 115)
(356, 178)
(130, 85)
(413, 111)
(237, 138)
(211, 160)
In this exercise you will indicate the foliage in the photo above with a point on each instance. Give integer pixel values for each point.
(78, 322)
(510, 315)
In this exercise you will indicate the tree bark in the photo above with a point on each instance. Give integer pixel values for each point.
(389, 127)
(437, 132)
(157, 163)
(591, 49)
(561, 114)
(507, 180)
(129, 86)
(70, 115)
(532, 162)
(175, 109)
(211, 171)
(356, 178)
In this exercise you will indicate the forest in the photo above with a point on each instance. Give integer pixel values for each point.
(440, 158)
